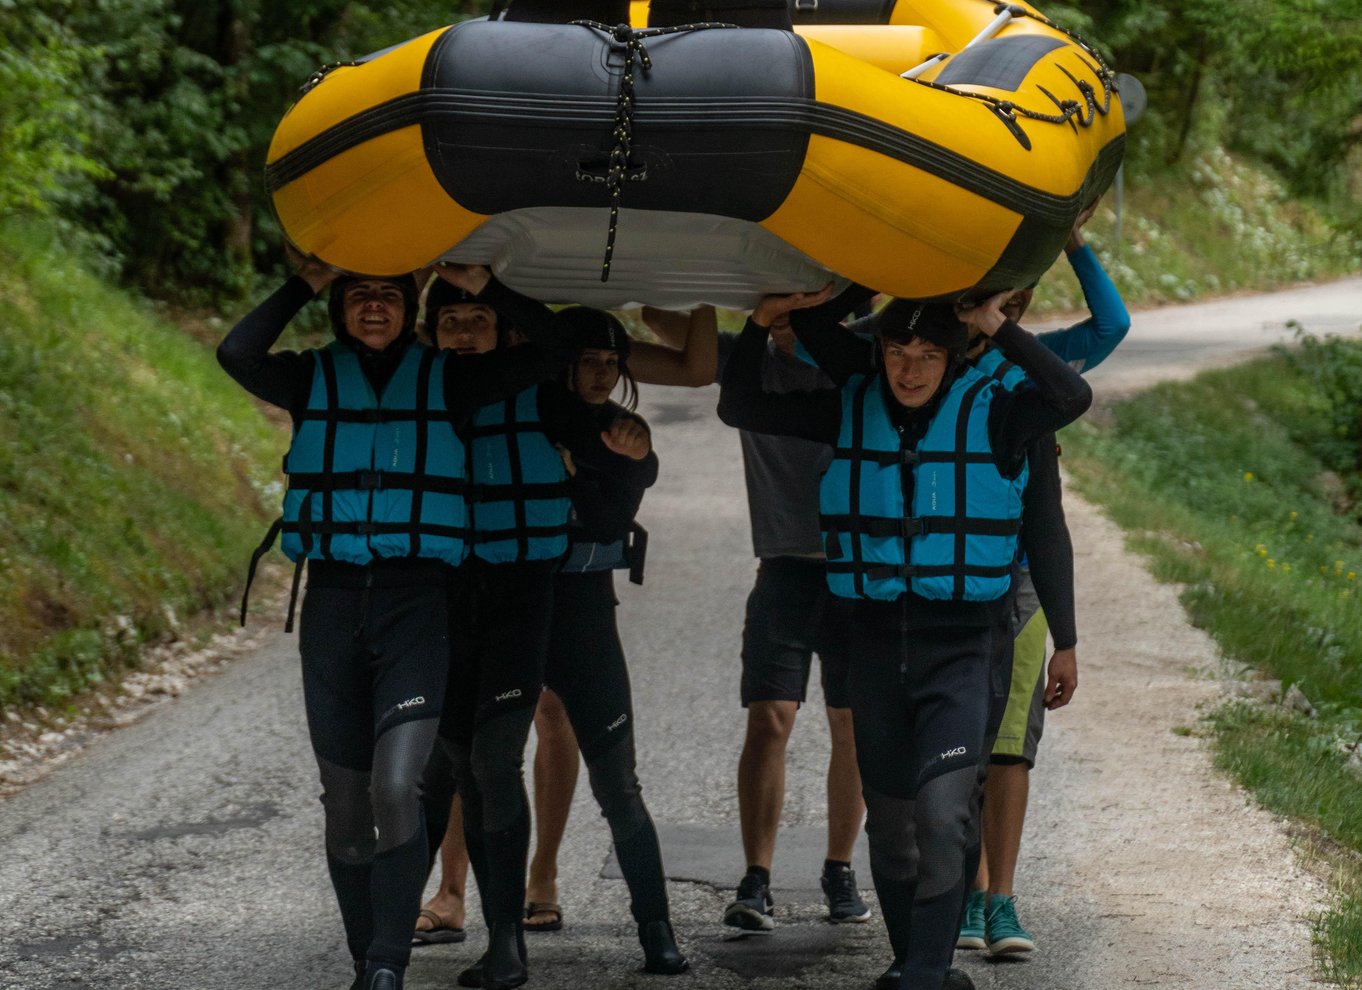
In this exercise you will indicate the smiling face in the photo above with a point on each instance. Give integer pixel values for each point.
(466, 328)
(373, 310)
(595, 375)
(914, 370)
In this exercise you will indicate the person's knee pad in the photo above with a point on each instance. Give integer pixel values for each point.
(943, 830)
(497, 757)
(400, 758)
(614, 780)
(889, 827)
(349, 816)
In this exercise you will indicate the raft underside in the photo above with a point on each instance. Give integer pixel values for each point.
(555, 254)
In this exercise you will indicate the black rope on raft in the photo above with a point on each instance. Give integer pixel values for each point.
(322, 73)
(618, 169)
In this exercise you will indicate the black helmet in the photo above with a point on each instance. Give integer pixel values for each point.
(935, 322)
(442, 294)
(595, 329)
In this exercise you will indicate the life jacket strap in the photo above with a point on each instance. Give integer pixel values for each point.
(260, 551)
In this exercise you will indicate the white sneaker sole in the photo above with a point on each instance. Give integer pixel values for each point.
(970, 942)
(1009, 945)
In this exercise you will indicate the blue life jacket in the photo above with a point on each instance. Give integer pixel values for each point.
(519, 496)
(960, 539)
(371, 477)
(993, 364)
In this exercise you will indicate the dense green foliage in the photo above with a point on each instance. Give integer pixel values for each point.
(1241, 486)
(166, 107)
(132, 473)
(1277, 79)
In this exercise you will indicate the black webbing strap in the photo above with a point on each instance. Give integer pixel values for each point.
(309, 529)
(884, 458)
(636, 552)
(526, 490)
(422, 445)
(962, 480)
(522, 522)
(328, 366)
(260, 551)
(371, 481)
(854, 500)
(508, 426)
(376, 414)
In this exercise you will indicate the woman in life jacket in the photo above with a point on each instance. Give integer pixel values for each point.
(920, 511)
(518, 518)
(586, 676)
(376, 508)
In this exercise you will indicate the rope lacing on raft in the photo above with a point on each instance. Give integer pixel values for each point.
(618, 169)
(1069, 109)
(322, 73)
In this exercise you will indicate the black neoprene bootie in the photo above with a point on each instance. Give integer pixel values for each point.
(660, 954)
(503, 965)
(956, 979)
(380, 977)
(358, 983)
(472, 976)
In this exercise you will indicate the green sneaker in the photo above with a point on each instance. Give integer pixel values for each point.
(972, 927)
(1003, 932)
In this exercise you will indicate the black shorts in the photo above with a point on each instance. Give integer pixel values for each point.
(792, 615)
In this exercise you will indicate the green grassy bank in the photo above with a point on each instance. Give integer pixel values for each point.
(134, 474)
(1243, 486)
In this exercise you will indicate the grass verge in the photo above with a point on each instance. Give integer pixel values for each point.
(133, 474)
(1241, 485)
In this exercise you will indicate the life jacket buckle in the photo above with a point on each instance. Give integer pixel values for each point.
(368, 481)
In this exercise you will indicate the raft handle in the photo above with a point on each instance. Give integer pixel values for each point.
(1007, 12)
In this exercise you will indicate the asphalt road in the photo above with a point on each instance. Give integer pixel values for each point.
(185, 851)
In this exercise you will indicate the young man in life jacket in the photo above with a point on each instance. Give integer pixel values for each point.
(376, 507)
(1043, 590)
(921, 507)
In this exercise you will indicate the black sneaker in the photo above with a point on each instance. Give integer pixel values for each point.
(752, 911)
(844, 900)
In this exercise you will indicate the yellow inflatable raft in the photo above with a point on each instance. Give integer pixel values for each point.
(718, 164)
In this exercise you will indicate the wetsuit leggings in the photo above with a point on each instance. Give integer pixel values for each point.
(499, 641)
(586, 669)
(375, 656)
(922, 701)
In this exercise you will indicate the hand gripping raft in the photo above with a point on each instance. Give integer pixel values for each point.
(720, 164)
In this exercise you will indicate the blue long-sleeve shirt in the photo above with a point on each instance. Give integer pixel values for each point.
(1087, 344)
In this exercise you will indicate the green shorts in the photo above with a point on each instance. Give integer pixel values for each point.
(1024, 716)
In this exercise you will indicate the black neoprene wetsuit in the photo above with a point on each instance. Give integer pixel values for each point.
(926, 674)
(374, 638)
(587, 670)
(500, 643)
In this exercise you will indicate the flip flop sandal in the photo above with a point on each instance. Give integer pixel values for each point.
(440, 932)
(543, 907)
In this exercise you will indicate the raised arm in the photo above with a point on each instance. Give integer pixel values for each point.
(1087, 344)
(688, 354)
(813, 415)
(281, 379)
(1059, 396)
(833, 348)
